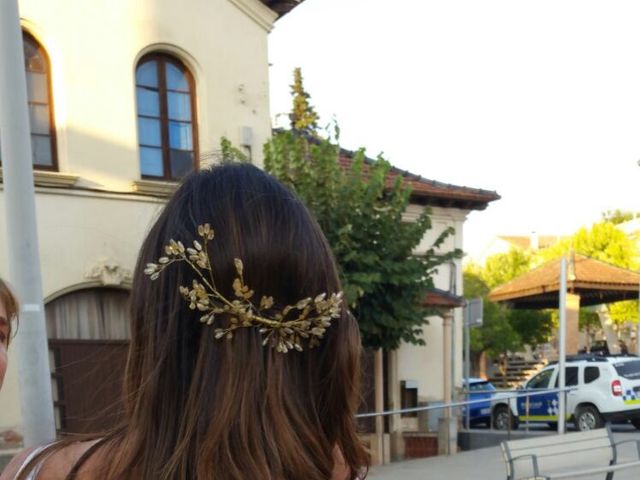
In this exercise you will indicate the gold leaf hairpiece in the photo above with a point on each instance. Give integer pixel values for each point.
(283, 330)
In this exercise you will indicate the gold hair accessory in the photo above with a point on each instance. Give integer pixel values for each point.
(282, 329)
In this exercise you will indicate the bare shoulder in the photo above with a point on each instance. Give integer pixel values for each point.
(341, 470)
(58, 464)
(12, 469)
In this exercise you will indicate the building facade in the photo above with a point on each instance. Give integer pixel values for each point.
(124, 99)
(423, 368)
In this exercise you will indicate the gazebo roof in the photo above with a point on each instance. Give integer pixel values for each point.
(595, 281)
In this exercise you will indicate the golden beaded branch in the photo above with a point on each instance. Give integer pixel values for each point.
(284, 329)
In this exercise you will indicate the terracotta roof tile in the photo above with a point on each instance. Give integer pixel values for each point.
(432, 192)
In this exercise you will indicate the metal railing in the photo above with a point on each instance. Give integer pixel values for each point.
(492, 400)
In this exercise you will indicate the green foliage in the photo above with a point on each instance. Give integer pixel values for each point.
(603, 241)
(618, 216)
(533, 326)
(503, 267)
(361, 215)
(496, 335)
(229, 153)
(304, 118)
(621, 312)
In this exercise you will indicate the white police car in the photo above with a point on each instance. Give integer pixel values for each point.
(607, 389)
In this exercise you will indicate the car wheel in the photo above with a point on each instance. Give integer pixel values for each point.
(501, 418)
(588, 418)
(636, 423)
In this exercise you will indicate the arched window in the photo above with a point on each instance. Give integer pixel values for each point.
(167, 137)
(43, 138)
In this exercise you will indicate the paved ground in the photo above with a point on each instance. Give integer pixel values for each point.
(483, 464)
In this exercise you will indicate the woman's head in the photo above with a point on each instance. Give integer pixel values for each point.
(207, 408)
(8, 312)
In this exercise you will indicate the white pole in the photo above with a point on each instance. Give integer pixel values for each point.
(452, 394)
(562, 341)
(378, 367)
(638, 327)
(467, 362)
(22, 239)
(447, 358)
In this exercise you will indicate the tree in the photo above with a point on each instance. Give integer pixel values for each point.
(361, 214)
(603, 241)
(618, 216)
(229, 153)
(303, 116)
(503, 267)
(496, 335)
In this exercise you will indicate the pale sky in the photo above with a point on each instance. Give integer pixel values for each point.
(538, 100)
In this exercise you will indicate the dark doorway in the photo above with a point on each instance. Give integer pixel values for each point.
(88, 341)
(87, 383)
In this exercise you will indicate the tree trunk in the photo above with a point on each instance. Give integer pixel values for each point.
(379, 399)
(482, 364)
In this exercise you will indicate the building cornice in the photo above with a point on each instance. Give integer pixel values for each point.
(258, 12)
(43, 178)
(156, 188)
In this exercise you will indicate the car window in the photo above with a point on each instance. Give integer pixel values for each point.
(591, 374)
(541, 380)
(570, 377)
(630, 370)
(481, 387)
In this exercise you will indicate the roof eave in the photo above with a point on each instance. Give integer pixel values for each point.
(477, 202)
(282, 7)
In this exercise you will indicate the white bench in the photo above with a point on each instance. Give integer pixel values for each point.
(572, 455)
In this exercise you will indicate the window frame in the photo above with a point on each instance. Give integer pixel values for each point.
(53, 141)
(584, 374)
(162, 58)
(52, 126)
(549, 371)
(568, 377)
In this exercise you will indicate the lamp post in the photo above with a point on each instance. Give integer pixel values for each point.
(638, 326)
(562, 344)
(22, 240)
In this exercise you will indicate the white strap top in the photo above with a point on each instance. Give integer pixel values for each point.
(33, 474)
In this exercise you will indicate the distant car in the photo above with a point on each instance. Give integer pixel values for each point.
(479, 413)
(607, 389)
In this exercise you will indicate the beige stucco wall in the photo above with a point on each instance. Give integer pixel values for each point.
(93, 48)
(424, 364)
(78, 231)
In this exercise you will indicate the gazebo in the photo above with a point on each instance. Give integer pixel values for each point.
(589, 282)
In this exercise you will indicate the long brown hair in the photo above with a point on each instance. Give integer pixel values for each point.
(201, 408)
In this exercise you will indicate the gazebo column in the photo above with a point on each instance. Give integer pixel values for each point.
(573, 323)
(448, 424)
(395, 403)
